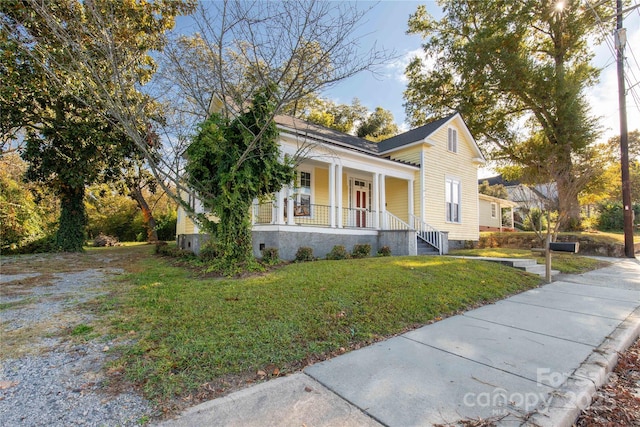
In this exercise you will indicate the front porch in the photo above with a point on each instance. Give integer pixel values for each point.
(322, 227)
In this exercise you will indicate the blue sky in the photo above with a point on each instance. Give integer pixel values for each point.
(387, 25)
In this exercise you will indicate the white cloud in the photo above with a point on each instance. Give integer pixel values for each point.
(397, 68)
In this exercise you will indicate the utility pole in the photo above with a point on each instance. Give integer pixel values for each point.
(621, 38)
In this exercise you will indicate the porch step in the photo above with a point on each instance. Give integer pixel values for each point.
(426, 249)
(525, 264)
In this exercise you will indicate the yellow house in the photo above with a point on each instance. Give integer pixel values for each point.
(414, 193)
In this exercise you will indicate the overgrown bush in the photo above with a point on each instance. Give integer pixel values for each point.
(41, 245)
(612, 216)
(488, 241)
(361, 250)
(270, 256)
(209, 251)
(534, 221)
(304, 254)
(384, 251)
(338, 252)
(102, 240)
(164, 249)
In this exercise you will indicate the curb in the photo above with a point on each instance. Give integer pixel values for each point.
(566, 403)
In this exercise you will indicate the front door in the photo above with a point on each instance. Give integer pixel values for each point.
(360, 202)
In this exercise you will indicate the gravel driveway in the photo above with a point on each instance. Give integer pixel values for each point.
(52, 349)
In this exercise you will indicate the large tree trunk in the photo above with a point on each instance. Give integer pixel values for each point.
(73, 219)
(147, 215)
(568, 204)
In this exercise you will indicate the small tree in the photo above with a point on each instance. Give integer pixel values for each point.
(230, 163)
(497, 190)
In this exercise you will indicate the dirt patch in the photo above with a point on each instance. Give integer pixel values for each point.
(54, 346)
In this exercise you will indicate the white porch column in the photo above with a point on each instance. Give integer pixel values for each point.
(422, 186)
(410, 185)
(340, 195)
(291, 220)
(332, 195)
(376, 200)
(513, 224)
(253, 211)
(383, 201)
(279, 209)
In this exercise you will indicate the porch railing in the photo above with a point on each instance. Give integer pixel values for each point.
(320, 216)
(427, 233)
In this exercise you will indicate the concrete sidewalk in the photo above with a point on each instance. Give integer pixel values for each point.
(532, 359)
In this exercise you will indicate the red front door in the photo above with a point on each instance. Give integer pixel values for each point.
(361, 208)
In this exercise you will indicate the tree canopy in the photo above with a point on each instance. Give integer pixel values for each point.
(517, 72)
(67, 79)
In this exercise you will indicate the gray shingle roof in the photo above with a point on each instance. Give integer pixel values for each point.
(349, 141)
(414, 135)
(328, 135)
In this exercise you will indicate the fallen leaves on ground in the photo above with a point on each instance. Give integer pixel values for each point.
(617, 403)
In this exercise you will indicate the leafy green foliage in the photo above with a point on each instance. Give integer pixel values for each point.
(497, 190)
(231, 162)
(378, 126)
(505, 64)
(67, 80)
(612, 215)
(384, 251)
(361, 250)
(304, 254)
(338, 252)
(23, 210)
(270, 256)
(115, 214)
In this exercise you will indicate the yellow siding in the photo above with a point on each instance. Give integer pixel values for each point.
(320, 179)
(440, 164)
(411, 155)
(397, 197)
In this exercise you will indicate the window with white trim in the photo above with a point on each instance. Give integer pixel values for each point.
(303, 194)
(494, 210)
(452, 192)
(452, 140)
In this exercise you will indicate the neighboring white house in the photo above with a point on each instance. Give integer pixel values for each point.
(495, 214)
(419, 188)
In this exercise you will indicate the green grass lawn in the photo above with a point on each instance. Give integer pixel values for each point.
(565, 263)
(193, 333)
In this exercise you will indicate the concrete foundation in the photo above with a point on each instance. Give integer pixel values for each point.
(322, 240)
(289, 239)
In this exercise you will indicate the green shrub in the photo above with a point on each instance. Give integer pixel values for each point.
(164, 249)
(535, 220)
(209, 251)
(384, 251)
(304, 253)
(488, 241)
(612, 216)
(270, 256)
(338, 252)
(361, 250)
(41, 245)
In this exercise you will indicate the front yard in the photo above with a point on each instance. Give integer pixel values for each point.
(189, 338)
(563, 262)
